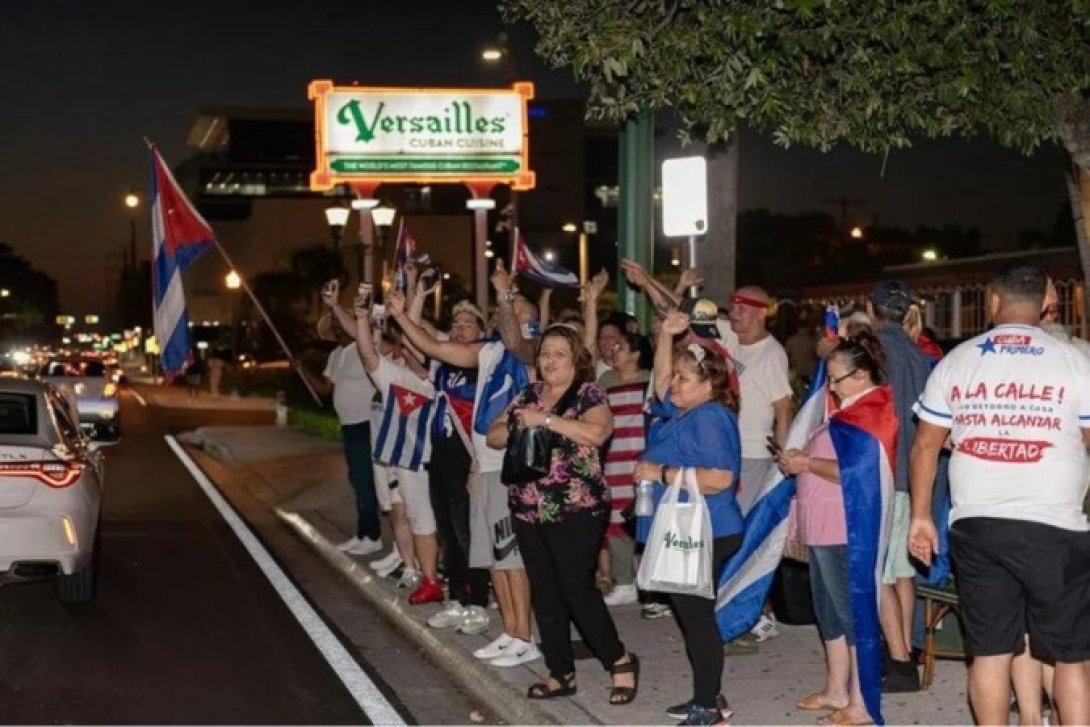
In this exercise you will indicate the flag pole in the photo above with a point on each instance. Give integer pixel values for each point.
(268, 321)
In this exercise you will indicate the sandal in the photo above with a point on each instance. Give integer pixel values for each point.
(817, 702)
(620, 696)
(542, 690)
(842, 717)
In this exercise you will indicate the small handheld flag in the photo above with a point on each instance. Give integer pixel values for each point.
(530, 266)
(403, 253)
(832, 321)
(179, 236)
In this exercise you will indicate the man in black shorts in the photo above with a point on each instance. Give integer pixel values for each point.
(1015, 403)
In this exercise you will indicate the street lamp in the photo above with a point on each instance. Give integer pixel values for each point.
(491, 55)
(4, 293)
(856, 233)
(337, 217)
(233, 281)
(480, 206)
(930, 255)
(132, 201)
(549, 256)
(365, 253)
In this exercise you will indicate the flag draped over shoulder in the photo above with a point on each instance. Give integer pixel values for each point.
(502, 377)
(864, 436)
(179, 236)
(541, 271)
(402, 439)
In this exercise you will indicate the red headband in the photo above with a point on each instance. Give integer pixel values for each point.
(746, 300)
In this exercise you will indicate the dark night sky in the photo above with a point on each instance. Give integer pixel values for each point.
(83, 82)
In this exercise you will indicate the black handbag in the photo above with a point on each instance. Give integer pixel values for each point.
(529, 453)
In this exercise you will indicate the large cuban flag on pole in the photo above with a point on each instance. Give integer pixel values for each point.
(179, 236)
(525, 263)
(865, 438)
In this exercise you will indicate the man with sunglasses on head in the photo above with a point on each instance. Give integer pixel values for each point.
(766, 403)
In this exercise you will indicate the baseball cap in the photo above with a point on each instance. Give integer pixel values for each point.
(466, 307)
(703, 314)
(892, 297)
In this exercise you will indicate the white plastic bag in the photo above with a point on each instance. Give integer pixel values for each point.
(678, 555)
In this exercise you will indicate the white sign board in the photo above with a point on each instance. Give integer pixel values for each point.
(414, 134)
(684, 197)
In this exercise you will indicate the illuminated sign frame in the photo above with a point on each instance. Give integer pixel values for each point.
(449, 119)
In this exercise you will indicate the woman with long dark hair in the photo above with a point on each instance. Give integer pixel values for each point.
(560, 519)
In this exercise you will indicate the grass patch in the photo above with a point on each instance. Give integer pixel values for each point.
(322, 424)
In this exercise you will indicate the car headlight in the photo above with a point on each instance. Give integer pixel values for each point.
(109, 390)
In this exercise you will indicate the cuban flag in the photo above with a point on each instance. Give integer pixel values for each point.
(179, 236)
(832, 321)
(402, 439)
(865, 436)
(525, 263)
(502, 377)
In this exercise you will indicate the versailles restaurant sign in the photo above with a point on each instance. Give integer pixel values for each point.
(420, 135)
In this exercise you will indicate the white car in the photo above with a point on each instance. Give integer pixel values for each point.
(51, 479)
(94, 392)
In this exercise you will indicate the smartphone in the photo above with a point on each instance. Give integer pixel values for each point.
(378, 314)
(428, 278)
(366, 293)
(774, 446)
(329, 288)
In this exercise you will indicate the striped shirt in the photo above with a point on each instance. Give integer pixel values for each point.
(626, 402)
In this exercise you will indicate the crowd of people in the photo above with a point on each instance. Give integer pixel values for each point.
(432, 421)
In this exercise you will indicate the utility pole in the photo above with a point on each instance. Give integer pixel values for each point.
(843, 203)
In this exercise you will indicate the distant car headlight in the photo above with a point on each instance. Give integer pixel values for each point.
(109, 390)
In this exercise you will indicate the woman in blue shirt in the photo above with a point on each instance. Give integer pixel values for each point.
(699, 430)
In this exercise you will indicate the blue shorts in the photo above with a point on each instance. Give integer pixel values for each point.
(830, 589)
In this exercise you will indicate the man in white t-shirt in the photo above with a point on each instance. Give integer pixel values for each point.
(765, 402)
(1015, 403)
(353, 392)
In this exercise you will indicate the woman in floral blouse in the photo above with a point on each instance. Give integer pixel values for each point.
(560, 518)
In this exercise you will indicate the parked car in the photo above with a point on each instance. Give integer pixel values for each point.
(51, 477)
(89, 385)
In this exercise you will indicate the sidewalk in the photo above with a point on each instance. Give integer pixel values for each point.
(304, 481)
(177, 397)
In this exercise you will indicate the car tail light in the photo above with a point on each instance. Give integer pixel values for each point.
(109, 389)
(54, 474)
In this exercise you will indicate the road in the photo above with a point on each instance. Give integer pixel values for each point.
(186, 628)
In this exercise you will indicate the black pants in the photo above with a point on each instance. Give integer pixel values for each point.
(448, 474)
(696, 617)
(560, 560)
(356, 440)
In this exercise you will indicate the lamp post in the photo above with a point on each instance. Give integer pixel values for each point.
(383, 218)
(233, 282)
(337, 217)
(365, 253)
(480, 206)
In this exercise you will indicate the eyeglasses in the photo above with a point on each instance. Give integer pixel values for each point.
(836, 382)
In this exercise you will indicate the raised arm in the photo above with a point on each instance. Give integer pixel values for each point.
(544, 308)
(463, 355)
(661, 298)
(690, 278)
(590, 311)
(365, 341)
(331, 295)
(510, 328)
(674, 323)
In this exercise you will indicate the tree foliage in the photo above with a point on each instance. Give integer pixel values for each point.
(870, 73)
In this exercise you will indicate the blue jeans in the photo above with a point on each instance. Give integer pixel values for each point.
(829, 586)
(356, 439)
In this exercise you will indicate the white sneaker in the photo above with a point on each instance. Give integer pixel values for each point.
(410, 579)
(517, 652)
(765, 629)
(475, 620)
(365, 546)
(494, 648)
(387, 563)
(622, 595)
(451, 614)
(348, 545)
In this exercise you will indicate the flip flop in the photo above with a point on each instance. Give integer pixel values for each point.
(841, 717)
(816, 702)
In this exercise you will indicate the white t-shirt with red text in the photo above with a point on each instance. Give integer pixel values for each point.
(1015, 400)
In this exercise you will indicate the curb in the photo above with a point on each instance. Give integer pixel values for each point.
(501, 698)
